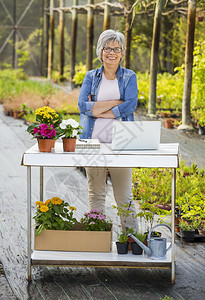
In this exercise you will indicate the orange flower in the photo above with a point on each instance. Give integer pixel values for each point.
(44, 208)
(56, 200)
(38, 203)
(72, 208)
(47, 202)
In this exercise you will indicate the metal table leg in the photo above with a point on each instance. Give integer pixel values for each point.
(41, 183)
(173, 223)
(29, 221)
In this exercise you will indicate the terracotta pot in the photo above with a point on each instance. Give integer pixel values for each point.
(201, 232)
(11, 113)
(169, 123)
(16, 114)
(45, 145)
(53, 143)
(200, 19)
(130, 240)
(177, 228)
(69, 145)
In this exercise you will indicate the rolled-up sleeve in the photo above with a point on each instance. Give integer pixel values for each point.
(130, 99)
(85, 106)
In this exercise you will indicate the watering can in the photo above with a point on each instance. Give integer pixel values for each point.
(157, 246)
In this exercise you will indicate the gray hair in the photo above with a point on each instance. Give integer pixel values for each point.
(110, 36)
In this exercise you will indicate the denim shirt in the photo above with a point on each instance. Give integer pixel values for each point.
(127, 82)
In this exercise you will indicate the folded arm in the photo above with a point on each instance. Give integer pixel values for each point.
(102, 107)
(130, 99)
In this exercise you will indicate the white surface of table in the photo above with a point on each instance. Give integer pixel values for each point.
(166, 156)
(75, 258)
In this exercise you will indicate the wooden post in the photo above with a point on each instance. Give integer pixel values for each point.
(128, 33)
(106, 24)
(73, 42)
(186, 114)
(44, 58)
(90, 22)
(154, 57)
(61, 42)
(51, 40)
(14, 61)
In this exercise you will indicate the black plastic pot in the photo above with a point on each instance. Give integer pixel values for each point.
(136, 249)
(188, 236)
(201, 130)
(122, 248)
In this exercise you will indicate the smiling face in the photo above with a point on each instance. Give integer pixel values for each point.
(112, 58)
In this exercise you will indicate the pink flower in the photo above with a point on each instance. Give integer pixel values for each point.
(94, 211)
(92, 223)
(43, 130)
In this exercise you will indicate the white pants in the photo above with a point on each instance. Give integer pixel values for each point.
(122, 186)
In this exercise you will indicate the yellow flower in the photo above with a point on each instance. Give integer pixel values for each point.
(47, 202)
(44, 208)
(56, 200)
(38, 203)
(72, 208)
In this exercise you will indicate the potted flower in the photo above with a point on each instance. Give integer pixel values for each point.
(54, 214)
(58, 230)
(46, 127)
(69, 130)
(122, 243)
(188, 230)
(95, 221)
(48, 115)
(45, 134)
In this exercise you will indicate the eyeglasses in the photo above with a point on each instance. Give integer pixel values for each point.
(109, 50)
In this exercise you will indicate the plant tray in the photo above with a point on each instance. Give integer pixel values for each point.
(74, 240)
(196, 238)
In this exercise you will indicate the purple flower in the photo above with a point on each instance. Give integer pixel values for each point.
(94, 211)
(92, 223)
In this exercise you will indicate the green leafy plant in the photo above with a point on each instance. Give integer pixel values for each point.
(122, 237)
(124, 210)
(80, 73)
(140, 236)
(95, 221)
(185, 226)
(53, 214)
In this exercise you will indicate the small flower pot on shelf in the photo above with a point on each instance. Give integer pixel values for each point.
(136, 249)
(122, 248)
(69, 144)
(45, 145)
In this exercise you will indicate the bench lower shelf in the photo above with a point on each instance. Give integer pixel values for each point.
(98, 259)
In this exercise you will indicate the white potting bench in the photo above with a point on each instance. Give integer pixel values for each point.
(165, 157)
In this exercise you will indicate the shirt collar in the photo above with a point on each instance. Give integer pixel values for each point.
(119, 71)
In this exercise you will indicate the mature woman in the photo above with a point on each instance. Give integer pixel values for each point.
(107, 94)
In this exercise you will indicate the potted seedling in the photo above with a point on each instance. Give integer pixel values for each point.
(122, 243)
(136, 249)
